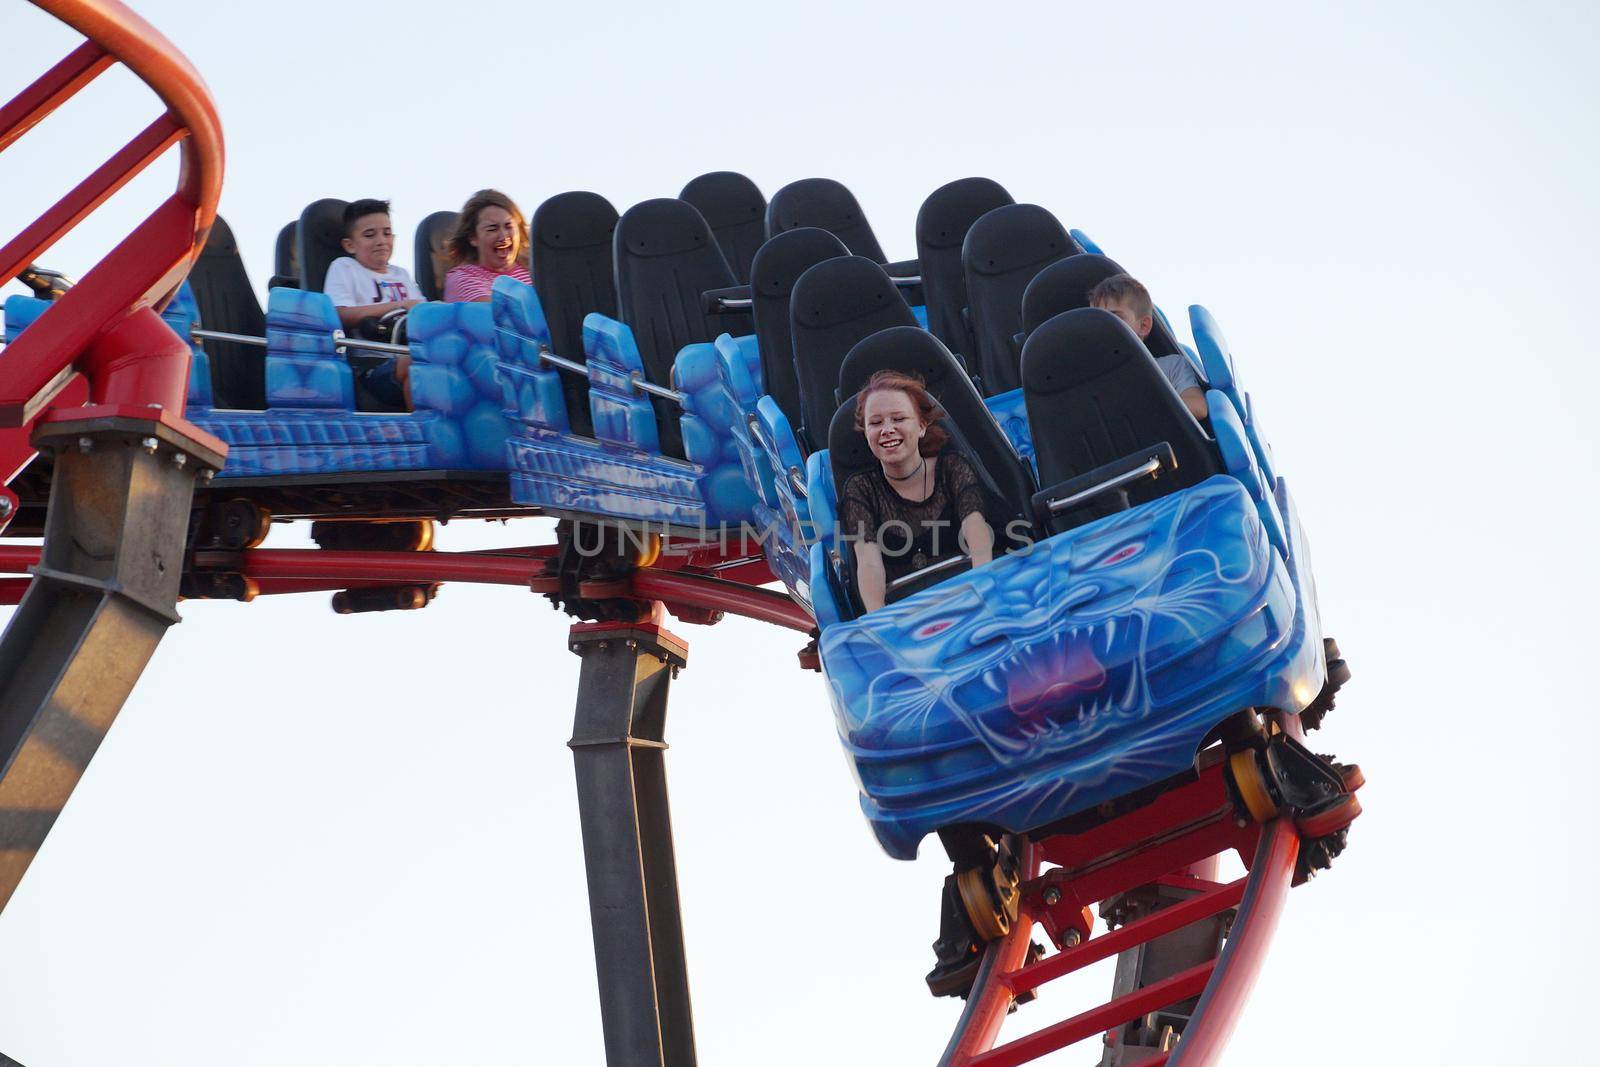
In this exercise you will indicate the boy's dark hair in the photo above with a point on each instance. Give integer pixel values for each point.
(1123, 289)
(360, 209)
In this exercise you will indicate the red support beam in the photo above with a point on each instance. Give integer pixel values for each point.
(1152, 926)
(52, 89)
(1180, 986)
(96, 189)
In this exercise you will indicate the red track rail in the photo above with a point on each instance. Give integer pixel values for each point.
(105, 329)
(1166, 835)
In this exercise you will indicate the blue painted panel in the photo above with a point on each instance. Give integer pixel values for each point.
(1079, 671)
(532, 387)
(739, 365)
(710, 413)
(1086, 243)
(582, 476)
(1240, 462)
(1223, 376)
(1010, 411)
(621, 415)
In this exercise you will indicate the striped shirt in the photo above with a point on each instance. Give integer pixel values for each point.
(470, 282)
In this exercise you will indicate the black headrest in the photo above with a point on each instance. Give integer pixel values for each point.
(286, 257)
(1086, 344)
(1065, 286)
(1095, 395)
(665, 226)
(220, 242)
(950, 210)
(319, 240)
(736, 210)
(574, 220)
(429, 254)
(828, 205)
(908, 349)
(841, 290)
(777, 266)
(788, 255)
(226, 301)
(725, 198)
(1015, 236)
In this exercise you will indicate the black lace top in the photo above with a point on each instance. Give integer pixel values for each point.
(910, 534)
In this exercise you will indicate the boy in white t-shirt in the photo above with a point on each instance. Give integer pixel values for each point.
(365, 285)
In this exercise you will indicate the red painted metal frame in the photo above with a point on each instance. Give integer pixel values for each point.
(105, 328)
(1174, 831)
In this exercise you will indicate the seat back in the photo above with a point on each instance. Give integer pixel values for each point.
(1095, 395)
(827, 205)
(778, 265)
(570, 245)
(666, 258)
(429, 254)
(286, 257)
(942, 224)
(1002, 252)
(916, 351)
(835, 304)
(736, 210)
(318, 241)
(1065, 286)
(573, 269)
(225, 301)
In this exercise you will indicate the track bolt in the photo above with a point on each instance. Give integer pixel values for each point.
(150, 445)
(179, 459)
(1072, 939)
(632, 644)
(206, 475)
(1241, 823)
(1052, 896)
(85, 444)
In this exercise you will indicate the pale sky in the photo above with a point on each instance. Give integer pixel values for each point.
(353, 841)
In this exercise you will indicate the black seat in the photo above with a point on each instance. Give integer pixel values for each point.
(573, 273)
(736, 210)
(835, 304)
(226, 302)
(1065, 285)
(942, 224)
(1095, 397)
(827, 205)
(1003, 250)
(915, 351)
(778, 265)
(429, 254)
(667, 258)
(319, 240)
(286, 259)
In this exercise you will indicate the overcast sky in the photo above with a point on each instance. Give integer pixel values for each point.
(350, 841)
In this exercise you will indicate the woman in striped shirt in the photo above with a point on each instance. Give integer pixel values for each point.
(490, 240)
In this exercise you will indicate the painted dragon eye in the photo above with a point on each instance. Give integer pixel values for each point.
(934, 628)
(1126, 552)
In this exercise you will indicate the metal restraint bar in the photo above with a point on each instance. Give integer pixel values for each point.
(618, 751)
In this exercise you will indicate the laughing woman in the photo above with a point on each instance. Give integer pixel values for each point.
(490, 240)
(920, 505)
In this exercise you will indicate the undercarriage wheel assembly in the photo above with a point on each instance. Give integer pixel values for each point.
(401, 535)
(1280, 776)
(1338, 674)
(1250, 779)
(233, 525)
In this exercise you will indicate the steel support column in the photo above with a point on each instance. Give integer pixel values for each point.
(618, 752)
(102, 596)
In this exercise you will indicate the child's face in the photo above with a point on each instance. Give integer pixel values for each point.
(497, 238)
(371, 241)
(1139, 324)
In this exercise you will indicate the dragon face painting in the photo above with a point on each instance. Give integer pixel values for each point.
(1087, 666)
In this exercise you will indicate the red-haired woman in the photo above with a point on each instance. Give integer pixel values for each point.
(490, 240)
(920, 505)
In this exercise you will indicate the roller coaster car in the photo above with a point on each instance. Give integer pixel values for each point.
(1170, 591)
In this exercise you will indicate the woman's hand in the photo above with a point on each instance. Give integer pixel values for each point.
(977, 538)
(870, 578)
